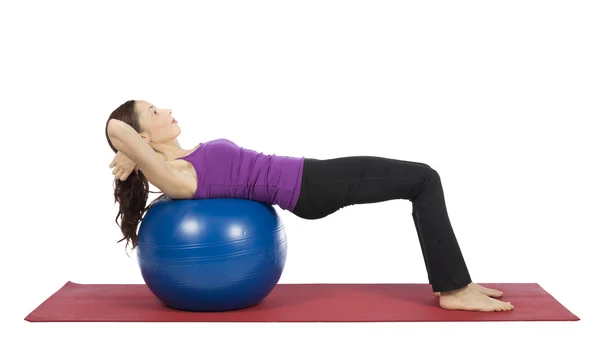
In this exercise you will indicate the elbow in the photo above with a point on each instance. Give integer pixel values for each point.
(114, 127)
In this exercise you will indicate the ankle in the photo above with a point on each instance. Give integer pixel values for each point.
(454, 291)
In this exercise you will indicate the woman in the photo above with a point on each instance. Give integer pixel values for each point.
(145, 141)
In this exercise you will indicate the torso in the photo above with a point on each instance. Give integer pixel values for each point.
(222, 169)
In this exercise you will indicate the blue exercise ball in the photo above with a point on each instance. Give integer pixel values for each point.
(211, 254)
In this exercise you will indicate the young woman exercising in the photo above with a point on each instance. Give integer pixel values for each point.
(144, 139)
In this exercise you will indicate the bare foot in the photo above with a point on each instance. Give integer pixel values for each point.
(483, 290)
(468, 298)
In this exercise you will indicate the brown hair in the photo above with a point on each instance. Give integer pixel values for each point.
(132, 194)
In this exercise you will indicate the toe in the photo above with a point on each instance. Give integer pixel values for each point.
(495, 293)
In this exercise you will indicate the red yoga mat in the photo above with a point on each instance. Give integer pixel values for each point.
(296, 303)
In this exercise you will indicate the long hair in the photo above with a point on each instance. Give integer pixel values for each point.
(132, 194)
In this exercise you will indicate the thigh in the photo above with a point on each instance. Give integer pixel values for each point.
(332, 184)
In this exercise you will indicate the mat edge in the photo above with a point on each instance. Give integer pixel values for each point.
(31, 316)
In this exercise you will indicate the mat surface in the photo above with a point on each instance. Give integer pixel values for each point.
(296, 303)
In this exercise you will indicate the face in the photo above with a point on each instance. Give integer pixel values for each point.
(158, 126)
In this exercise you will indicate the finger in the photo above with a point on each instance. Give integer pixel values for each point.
(127, 171)
(115, 170)
(124, 176)
(112, 164)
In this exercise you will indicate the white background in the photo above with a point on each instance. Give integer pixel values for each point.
(501, 98)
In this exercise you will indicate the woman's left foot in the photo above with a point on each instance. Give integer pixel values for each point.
(494, 293)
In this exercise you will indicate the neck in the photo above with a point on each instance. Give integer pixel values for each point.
(168, 150)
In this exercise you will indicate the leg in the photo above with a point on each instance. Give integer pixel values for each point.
(329, 185)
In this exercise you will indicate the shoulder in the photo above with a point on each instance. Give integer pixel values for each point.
(168, 178)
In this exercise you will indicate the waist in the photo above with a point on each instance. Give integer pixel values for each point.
(276, 182)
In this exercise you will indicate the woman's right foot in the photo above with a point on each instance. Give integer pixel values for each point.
(470, 299)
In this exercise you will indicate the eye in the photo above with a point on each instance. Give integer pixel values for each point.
(155, 112)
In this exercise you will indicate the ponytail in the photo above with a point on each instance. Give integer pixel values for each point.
(132, 195)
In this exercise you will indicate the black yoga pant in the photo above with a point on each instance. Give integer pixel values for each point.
(331, 184)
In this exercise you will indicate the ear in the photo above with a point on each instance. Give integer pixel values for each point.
(145, 136)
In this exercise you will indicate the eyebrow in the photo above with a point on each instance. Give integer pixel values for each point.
(150, 107)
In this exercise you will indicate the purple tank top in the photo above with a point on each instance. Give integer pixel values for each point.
(226, 170)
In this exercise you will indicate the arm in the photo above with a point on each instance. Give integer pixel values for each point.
(129, 142)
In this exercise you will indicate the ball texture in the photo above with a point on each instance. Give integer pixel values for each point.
(211, 254)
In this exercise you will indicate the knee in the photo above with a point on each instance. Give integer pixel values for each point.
(422, 164)
(431, 172)
(428, 178)
(432, 178)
